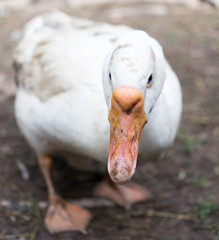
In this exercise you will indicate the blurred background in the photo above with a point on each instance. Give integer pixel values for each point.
(185, 184)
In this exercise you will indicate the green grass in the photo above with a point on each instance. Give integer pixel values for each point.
(207, 207)
(199, 181)
(190, 143)
(37, 219)
(35, 211)
(173, 36)
(208, 214)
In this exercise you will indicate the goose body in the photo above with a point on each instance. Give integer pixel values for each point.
(60, 94)
(61, 105)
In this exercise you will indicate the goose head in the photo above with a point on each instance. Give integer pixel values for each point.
(133, 78)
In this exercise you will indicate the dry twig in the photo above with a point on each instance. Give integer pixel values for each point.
(178, 216)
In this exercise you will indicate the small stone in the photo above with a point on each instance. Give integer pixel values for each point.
(182, 175)
(12, 218)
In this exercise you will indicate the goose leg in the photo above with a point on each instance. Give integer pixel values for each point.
(123, 195)
(61, 216)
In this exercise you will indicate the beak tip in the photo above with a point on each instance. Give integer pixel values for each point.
(120, 175)
(120, 181)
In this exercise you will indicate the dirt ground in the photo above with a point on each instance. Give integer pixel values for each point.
(185, 184)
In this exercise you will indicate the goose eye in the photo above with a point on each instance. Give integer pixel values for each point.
(150, 80)
(110, 78)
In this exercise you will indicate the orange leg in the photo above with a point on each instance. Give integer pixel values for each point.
(124, 195)
(61, 216)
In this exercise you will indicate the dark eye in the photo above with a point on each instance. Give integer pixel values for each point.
(150, 80)
(110, 77)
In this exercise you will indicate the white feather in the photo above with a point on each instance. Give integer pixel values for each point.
(61, 106)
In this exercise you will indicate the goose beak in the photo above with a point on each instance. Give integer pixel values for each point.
(127, 120)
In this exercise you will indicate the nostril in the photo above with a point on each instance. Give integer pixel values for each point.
(127, 98)
(129, 112)
(132, 107)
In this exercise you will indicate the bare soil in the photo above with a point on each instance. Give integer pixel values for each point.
(185, 184)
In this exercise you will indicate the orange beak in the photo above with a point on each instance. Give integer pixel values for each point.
(127, 120)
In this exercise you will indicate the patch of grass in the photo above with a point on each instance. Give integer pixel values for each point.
(190, 143)
(208, 214)
(37, 221)
(207, 207)
(35, 230)
(172, 36)
(34, 205)
(200, 181)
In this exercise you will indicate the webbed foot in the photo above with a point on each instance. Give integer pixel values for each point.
(123, 195)
(63, 216)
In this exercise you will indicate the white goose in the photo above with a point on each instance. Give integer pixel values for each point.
(60, 105)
